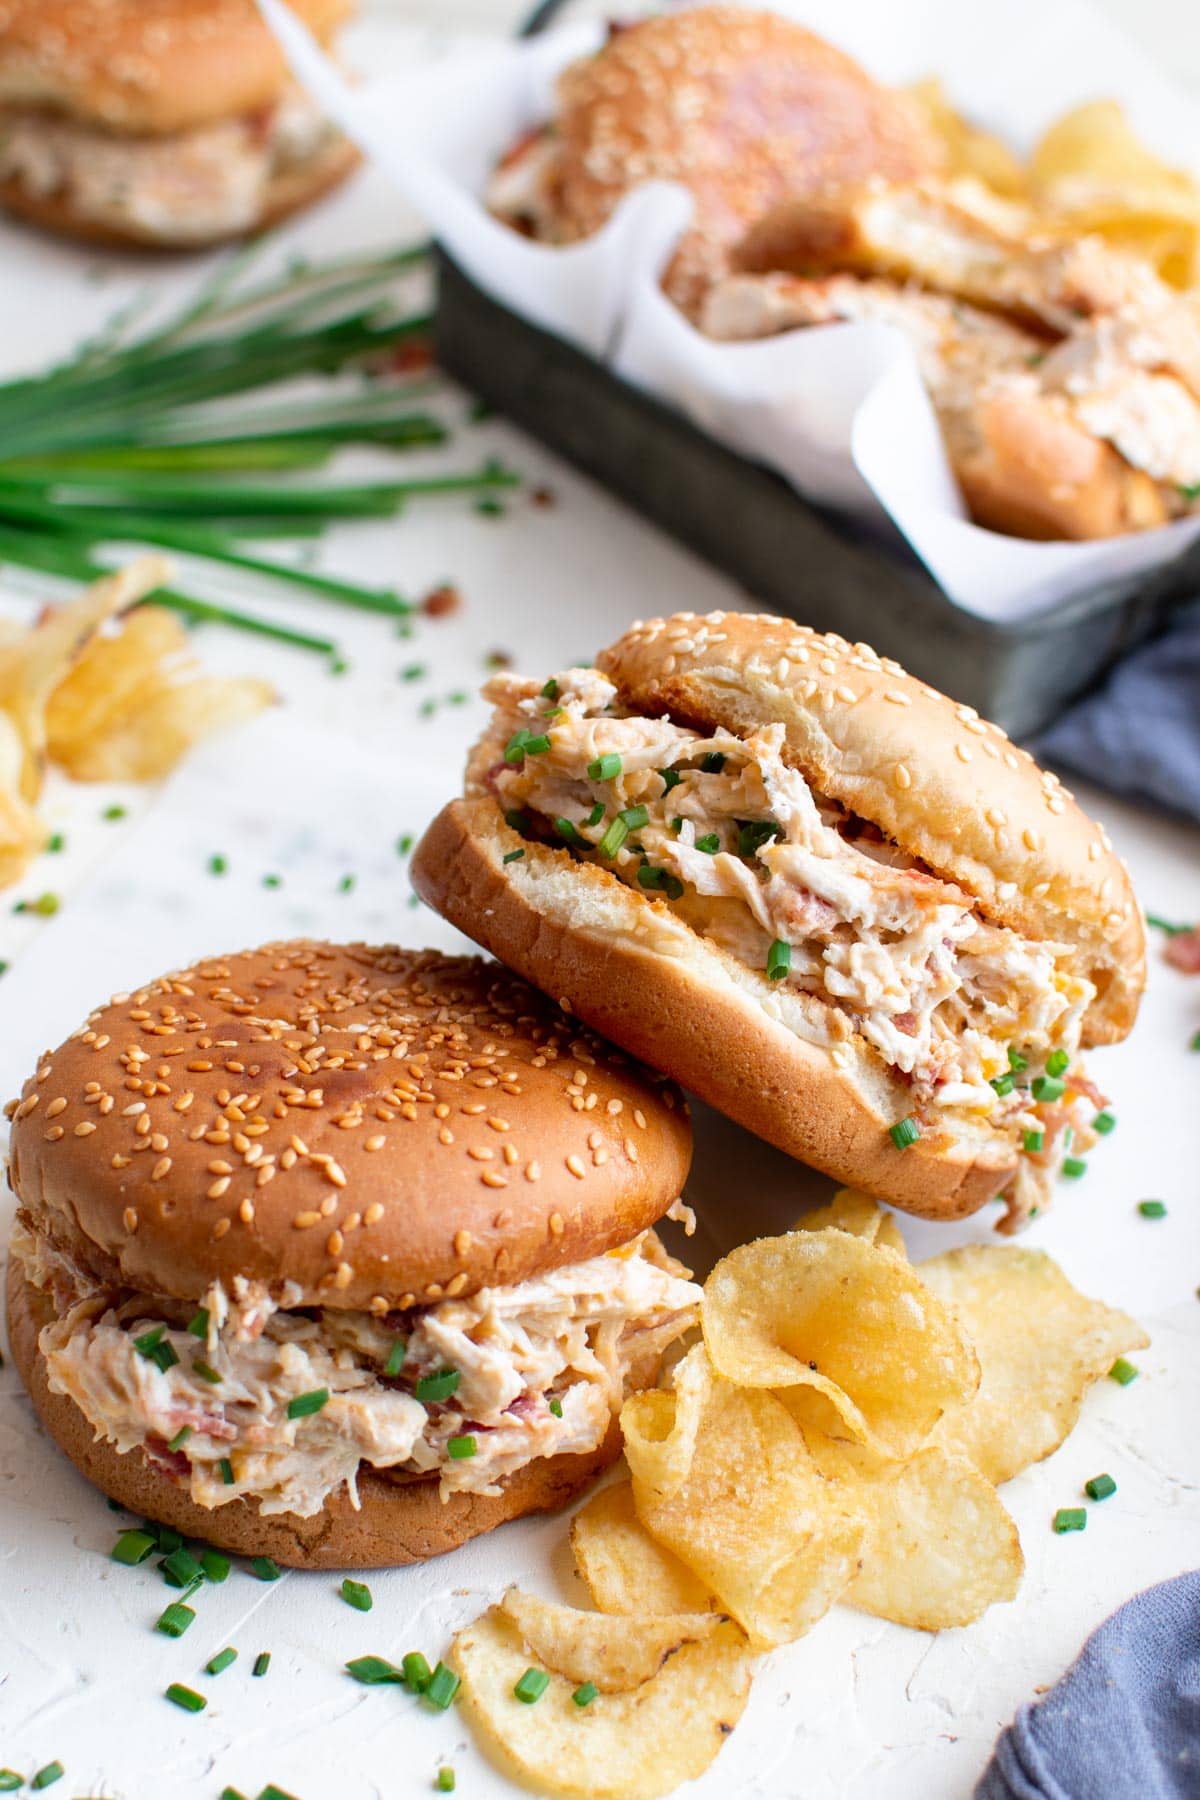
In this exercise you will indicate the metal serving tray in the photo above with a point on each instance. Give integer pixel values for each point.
(793, 557)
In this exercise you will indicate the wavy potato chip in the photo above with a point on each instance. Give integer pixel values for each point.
(1041, 1344)
(631, 1746)
(939, 1548)
(599, 1647)
(851, 1319)
(860, 1216)
(755, 1521)
(660, 1427)
(623, 1568)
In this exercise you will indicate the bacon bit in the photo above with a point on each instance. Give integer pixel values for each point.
(440, 602)
(1183, 951)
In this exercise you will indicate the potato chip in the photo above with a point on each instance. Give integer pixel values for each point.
(939, 1548)
(860, 1216)
(631, 1746)
(849, 1318)
(1040, 1344)
(660, 1428)
(596, 1647)
(968, 150)
(623, 1568)
(755, 1521)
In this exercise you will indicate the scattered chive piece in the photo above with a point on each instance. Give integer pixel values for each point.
(585, 1693)
(180, 1568)
(1070, 1518)
(1057, 1063)
(445, 1779)
(754, 834)
(1004, 1084)
(356, 1594)
(1123, 1372)
(223, 1660)
(904, 1132)
(605, 768)
(417, 1672)
(206, 1372)
(532, 1686)
(443, 1685)
(596, 814)
(374, 1671)
(1034, 1141)
(47, 1776)
(262, 1663)
(132, 1548)
(304, 1405)
(613, 837)
(266, 1568)
(112, 813)
(395, 1357)
(635, 817)
(779, 960)
(10, 1781)
(174, 1620)
(1047, 1087)
(1104, 1122)
(556, 1408)
(551, 690)
(568, 833)
(1152, 1209)
(198, 1323)
(218, 865)
(181, 1437)
(710, 843)
(185, 1697)
(1016, 1061)
(1100, 1487)
(671, 778)
(461, 1447)
(1073, 1167)
(713, 762)
(226, 1468)
(432, 1389)
(514, 856)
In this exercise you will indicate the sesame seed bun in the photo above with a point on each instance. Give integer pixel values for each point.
(373, 1127)
(397, 1522)
(148, 66)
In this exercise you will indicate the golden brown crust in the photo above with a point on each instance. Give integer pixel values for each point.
(947, 786)
(631, 968)
(376, 1126)
(398, 1522)
(745, 108)
(148, 66)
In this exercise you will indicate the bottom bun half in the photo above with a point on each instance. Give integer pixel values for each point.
(397, 1522)
(631, 969)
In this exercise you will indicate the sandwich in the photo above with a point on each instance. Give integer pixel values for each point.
(746, 109)
(836, 905)
(171, 123)
(341, 1255)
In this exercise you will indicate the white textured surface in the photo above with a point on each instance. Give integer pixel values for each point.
(860, 1710)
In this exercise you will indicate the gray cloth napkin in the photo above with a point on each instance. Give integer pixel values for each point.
(1140, 733)
(1124, 1721)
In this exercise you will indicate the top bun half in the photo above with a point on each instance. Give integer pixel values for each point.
(942, 783)
(351, 1126)
(148, 66)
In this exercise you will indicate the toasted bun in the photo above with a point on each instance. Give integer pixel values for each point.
(373, 1126)
(941, 782)
(148, 66)
(745, 108)
(775, 1062)
(398, 1522)
(290, 191)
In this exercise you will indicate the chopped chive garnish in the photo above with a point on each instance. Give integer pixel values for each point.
(262, 1663)
(417, 1672)
(1004, 1084)
(1152, 1209)
(432, 1389)
(904, 1133)
(514, 856)
(461, 1447)
(174, 1620)
(132, 1548)
(753, 834)
(1100, 1487)
(671, 778)
(605, 768)
(585, 1693)
(185, 1697)
(1103, 1123)
(569, 833)
(445, 1779)
(47, 1776)
(551, 690)
(1047, 1087)
(713, 762)
(556, 1408)
(266, 1568)
(180, 1568)
(216, 1567)
(615, 834)
(198, 1323)
(1057, 1063)
(779, 960)
(1070, 1518)
(1034, 1141)
(635, 817)
(1123, 1372)
(226, 1468)
(304, 1405)
(443, 1685)
(1073, 1167)
(532, 1686)
(395, 1356)
(356, 1594)
(180, 1439)
(217, 1664)
(1016, 1061)
(10, 1781)
(206, 1372)
(596, 814)
(374, 1671)
(710, 843)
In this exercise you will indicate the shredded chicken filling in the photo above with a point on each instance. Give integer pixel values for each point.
(534, 1370)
